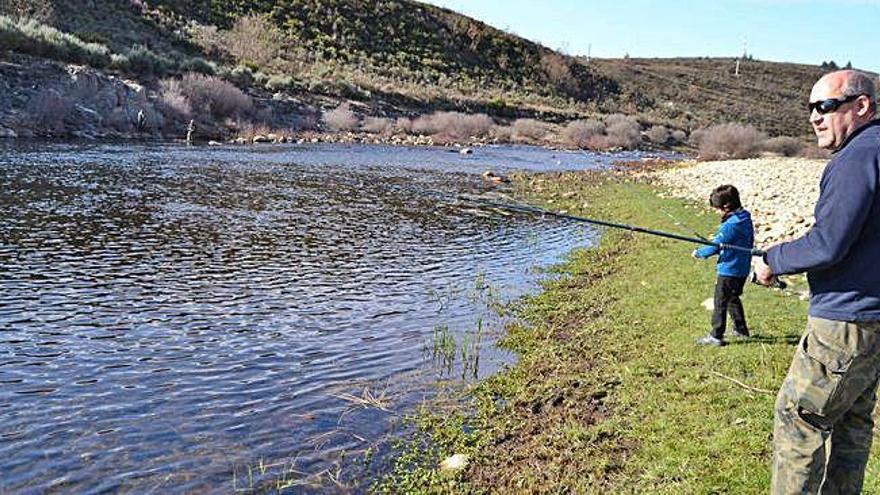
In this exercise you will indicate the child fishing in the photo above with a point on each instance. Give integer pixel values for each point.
(733, 264)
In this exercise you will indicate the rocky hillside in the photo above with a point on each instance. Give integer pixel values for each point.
(389, 58)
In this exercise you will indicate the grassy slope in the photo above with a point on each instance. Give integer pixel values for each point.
(611, 394)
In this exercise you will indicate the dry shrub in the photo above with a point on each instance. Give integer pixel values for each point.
(453, 125)
(206, 96)
(583, 133)
(678, 136)
(502, 133)
(784, 145)
(729, 140)
(622, 131)
(208, 38)
(341, 118)
(697, 136)
(173, 102)
(814, 152)
(403, 125)
(529, 130)
(658, 134)
(209, 94)
(253, 39)
(250, 130)
(377, 125)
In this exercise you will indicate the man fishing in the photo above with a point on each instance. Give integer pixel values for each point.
(830, 390)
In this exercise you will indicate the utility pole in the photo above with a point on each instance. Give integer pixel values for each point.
(744, 55)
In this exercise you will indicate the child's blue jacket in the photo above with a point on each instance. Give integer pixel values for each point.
(736, 230)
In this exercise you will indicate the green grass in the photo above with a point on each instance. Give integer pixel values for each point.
(610, 394)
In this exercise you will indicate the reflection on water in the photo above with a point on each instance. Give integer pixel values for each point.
(198, 320)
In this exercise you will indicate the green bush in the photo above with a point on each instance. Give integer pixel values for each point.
(34, 38)
(197, 64)
(241, 76)
(142, 61)
(279, 83)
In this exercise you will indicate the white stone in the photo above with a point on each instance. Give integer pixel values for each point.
(454, 462)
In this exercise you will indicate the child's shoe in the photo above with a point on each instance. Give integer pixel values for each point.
(710, 340)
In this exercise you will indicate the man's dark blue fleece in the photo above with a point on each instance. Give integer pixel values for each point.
(841, 253)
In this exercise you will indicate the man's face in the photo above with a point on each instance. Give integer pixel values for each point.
(832, 128)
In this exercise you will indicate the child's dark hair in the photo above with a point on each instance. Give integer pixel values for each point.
(725, 197)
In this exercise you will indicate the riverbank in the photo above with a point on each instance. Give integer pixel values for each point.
(610, 394)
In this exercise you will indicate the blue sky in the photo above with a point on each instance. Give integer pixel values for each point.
(802, 31)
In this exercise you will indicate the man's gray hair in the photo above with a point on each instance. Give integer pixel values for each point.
(860, 84)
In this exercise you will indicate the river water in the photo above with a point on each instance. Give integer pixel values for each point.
(178, 320)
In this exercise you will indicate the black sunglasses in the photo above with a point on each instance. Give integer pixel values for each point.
(829, 105)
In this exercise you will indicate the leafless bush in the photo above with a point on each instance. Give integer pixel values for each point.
(253, 39)
(784, 145)
(529, 130)
(209, 39)
(697, 136)
(404, 125)
(205, 95)
(622, 131)
(502, 133)
(341, 118)
(209, 94)
(658, 134)
(173, 102)
(815, 152)
(582, 133)
(729, 141)
(678, 136)
(377, 125)
(453, 125)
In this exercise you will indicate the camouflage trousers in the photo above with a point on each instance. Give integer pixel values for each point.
(823, 428)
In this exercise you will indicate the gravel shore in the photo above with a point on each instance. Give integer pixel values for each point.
(780, 192)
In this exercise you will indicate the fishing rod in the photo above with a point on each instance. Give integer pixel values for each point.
(632, 228)
(775, 283)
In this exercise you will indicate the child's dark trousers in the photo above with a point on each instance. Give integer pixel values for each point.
(727, 292)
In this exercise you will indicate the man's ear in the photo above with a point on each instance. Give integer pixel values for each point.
(864, 106)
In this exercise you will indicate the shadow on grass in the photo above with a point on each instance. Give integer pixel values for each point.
(788, 339)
